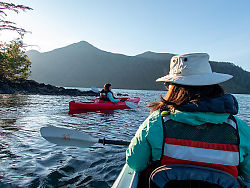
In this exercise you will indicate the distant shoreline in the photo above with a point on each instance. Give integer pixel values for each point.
(31, 87)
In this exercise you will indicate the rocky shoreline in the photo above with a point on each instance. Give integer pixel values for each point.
(31, 87)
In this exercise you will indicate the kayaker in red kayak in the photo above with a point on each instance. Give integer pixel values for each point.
(193, 133)
(107, 95)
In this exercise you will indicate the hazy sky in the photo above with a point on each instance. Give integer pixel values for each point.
(219, 27)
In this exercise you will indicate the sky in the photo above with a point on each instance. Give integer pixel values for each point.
(220, 28)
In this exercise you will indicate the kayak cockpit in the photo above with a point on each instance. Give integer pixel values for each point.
(181, 176)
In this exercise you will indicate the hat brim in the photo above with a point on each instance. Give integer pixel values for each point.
(196, 80)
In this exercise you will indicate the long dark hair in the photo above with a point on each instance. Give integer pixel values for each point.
(181, 94)
(107, 87)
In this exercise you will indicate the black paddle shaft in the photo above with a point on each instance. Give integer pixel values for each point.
(115, 142)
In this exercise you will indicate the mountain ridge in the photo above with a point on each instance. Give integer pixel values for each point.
(83, 65)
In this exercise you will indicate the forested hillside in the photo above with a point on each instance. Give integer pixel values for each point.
(83, 65)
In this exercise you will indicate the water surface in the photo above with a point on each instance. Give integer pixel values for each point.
(28, 160)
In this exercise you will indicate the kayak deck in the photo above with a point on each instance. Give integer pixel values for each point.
(127, 178)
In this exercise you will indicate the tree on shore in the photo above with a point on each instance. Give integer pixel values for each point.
(14, 63)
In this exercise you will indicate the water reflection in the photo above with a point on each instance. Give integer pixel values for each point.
(10, 112)
(8, 101)
(101, 112)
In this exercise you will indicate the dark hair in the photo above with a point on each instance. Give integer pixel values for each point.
(107, 86)
(181, 94)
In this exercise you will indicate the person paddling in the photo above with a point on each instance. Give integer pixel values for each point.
(107, 95)
(193, 131)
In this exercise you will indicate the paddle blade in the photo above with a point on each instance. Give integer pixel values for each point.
(67, 137)
(94, 89)
(131, 104)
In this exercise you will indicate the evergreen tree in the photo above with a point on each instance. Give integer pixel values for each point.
(14, 63)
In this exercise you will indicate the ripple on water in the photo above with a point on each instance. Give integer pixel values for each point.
(28, 160)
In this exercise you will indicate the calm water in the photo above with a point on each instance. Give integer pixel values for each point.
(28, 160)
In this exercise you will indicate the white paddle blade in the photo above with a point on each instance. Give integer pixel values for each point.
(67, 137)
(94, 89)
(131, 104)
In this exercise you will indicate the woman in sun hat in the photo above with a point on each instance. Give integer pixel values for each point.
(194, 124)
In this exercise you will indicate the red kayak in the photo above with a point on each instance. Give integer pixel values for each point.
(97, 104)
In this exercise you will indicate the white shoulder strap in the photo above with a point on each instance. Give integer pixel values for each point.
(231, 122)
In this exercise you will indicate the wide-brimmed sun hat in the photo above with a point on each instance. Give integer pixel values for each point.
(193, 69)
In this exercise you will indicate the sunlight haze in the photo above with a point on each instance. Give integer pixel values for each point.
(218, 27)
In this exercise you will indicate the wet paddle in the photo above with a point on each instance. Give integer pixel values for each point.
(94, 89)
(131, 105)
(69, 137)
